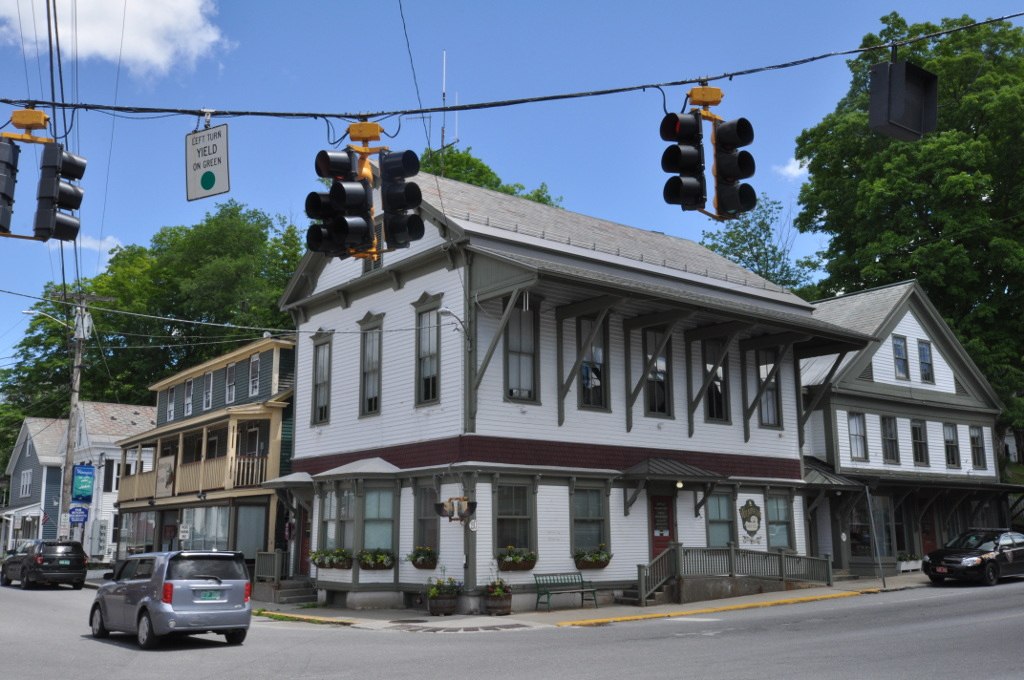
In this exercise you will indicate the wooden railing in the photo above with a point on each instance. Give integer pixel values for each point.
(733, 561)
(188, 478)
(250, 470)
(661, 569)
(137, 486)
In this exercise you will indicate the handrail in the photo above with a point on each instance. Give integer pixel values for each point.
(733, 561)
(659, 571)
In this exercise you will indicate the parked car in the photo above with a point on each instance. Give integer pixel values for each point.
(45, 562)
(983, 555)
(180, 592)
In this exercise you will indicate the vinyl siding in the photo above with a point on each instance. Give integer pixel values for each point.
(884, 365)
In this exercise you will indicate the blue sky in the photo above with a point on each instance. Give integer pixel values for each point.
(600, 154)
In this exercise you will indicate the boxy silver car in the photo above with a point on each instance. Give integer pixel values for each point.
(178, 592)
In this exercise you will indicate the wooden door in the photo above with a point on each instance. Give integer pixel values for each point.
(663, 523)
(928, 539)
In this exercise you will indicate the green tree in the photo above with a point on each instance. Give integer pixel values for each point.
(944, 210)
(761, 242)
(230, 269)
(462, 165)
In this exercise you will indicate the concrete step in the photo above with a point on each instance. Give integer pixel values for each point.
(295, 597)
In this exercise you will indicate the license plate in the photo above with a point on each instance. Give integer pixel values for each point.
(64, 563)
(941, 570)
(209, 594)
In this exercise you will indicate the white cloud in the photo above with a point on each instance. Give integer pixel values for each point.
(103, 247)
(158, 34)
(792, 170)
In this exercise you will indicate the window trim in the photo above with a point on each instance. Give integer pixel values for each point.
(208, 390)
(859, 416)
(532, 311)
(892, 457)
(647, 348)
(602, 337)
(189, 391)
(371, 328)
(425, 309)
(773, 388)
(605, 514)
(768, 522)
(230, 372)
(921, 363)
(730, 497)
(722, 381)
(169, 412)
(254, 380)
(25, 484)
(900, 361)
(979, 457)
(319, 343)
(425, 515)
(952, 446)
(531, 502)
(392, 520)
(920, 445)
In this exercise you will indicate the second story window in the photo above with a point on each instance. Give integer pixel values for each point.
(427, 336)
(924, 360)
(977, 448)
(890, 440)
(952, 440)
(770, 410)
(858, 436)
(369, 384)
(899, 357)
(658, 388)
(321, 411)
(170, 404)
(593, 391)
(716, 399)
(919, 437)
(208, 391)
(26, 483)
(254, 375)
(188, 397)
(521, 363)
(229, 384)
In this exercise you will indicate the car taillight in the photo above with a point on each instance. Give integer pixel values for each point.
(39, 559)
(168, 597)
(85, 560)
(248, 591)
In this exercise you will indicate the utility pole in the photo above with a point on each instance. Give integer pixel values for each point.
(83, 325)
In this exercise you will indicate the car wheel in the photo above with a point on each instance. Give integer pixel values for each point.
(4, 580)
(26, 584)
(235, 637)
(990, 576)
(936, 580)
(99, 629)
(77, 586)
(144, 635)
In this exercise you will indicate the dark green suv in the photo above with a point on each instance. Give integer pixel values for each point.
(45, 562)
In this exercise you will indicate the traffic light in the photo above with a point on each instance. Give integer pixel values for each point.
(684, 158)
(8, 177)
(732, 197)
(397, 197)
(55, 194)
(344, 210)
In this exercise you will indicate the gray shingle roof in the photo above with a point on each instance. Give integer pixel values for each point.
(863, 311)
(47, 437)
(117, 420)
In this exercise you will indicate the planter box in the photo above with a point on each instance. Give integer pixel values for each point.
(525, 565)
(343, 564)
(591, 564)
(443, 605)
(498, 605)
(909, 565)
(426, 564)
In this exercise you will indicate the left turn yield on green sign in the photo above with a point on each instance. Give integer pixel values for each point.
(206, 163)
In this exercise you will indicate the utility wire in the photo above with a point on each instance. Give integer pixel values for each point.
(231, 113)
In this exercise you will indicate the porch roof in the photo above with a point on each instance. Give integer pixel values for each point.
(292, 481)
(668, 468)
(818, 474)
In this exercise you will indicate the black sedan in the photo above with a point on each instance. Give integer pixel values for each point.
(45, 562)
(978, 555)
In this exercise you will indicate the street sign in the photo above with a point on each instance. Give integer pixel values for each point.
(78, 514)
(184, 532)
(82, 483)
(206, 163)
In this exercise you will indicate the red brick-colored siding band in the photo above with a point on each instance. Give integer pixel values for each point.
(548, 453)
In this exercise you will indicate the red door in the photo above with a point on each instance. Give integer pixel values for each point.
(928, 542)
(663, 523)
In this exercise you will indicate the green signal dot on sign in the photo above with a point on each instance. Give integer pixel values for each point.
(207, 180)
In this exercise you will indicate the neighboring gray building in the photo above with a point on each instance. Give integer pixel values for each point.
(34, 471)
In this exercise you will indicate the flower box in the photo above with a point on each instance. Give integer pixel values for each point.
(443, 605)
(591, 564)
(375, 559)
(908, 565)
(336, 564)
(524, 565)
(498, 605)
(426, 563)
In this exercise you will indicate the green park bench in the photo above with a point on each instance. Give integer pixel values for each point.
(565, 582)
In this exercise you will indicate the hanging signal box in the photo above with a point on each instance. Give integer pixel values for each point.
(904, 100)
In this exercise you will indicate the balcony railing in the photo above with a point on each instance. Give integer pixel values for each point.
(189, 478)
(250, 470)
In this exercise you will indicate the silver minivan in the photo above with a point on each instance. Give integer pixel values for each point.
(180, 592)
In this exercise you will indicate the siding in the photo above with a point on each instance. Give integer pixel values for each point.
(884, 366)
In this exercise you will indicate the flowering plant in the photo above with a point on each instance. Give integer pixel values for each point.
(331, 557)
(598, 554)
(498, 588)
(422, 555)
(514, 555)
(442, 586)
(376, 558)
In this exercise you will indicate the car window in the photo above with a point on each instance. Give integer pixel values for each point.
(1018, 539)
(145, 568)
(127, 570)
(975, 540)
(227, 567)
(1005, 541)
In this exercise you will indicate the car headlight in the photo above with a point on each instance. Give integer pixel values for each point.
(970, 561)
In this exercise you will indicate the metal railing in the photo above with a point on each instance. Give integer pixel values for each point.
(269, 566)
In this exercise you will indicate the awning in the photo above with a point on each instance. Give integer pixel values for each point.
(293, 481)
(671, 469)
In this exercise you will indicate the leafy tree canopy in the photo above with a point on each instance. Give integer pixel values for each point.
(761, 242)
(230, 269)
(462, 165)
(945, 210)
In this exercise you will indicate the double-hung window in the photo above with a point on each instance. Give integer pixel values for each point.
(208, 391)
(369, 369)
(427, 364)
(229, 383)
(26, 483)
(952, 440)
(890, 440)
(769, 410)
(924, 361)
(426, 529)
(716, 373)
(514, 516)
(658, 388)
(321, 408)
(977, 448)
(858, 436)
(378, 519)
(254, 375)
(593, 378)
(521, 363)
(919, 437)
(589, 528)
(337, 515)
(188, 397)
(721, 523)
(780, 521)
(170, 403)
(899, 357)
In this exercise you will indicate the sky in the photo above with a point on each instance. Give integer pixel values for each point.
(601, 155)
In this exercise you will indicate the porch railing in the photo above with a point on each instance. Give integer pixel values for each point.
(250, 470)
(661, 569)
(733, 561)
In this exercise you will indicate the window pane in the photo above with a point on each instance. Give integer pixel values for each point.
(924, 357)
(716, 400)
(592, 384)
(521, 355)
(768, 410)
(858, 436)
(899, 354)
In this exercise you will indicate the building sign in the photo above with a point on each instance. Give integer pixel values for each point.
(165, 477)
(82, 483)
(79, 514)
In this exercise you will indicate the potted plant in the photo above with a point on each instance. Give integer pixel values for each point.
(423, 557)
(331, 558)
(498, 598)
(375, 558)
(592, 558)
(906, 561)
(512, 558)
(443, 596)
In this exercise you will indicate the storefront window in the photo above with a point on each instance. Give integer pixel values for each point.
(860, 528)
(137, 533)
(207, 528)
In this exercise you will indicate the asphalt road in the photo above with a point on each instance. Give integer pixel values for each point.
(953, 631)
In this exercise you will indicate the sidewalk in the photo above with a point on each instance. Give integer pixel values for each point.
(417, 620)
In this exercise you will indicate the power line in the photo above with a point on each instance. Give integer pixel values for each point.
(232, 113)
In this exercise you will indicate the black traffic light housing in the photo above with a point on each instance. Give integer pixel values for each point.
(684, 158)
(344, 211)
(731, 165)
(398, 197)
(8, 178)
(56, 194)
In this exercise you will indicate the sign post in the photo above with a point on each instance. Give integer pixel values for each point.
(206, 163)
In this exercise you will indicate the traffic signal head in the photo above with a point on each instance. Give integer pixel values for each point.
(343, 210)
(731, 165)
(56, 194)
(8, 177)
(684, 158)
(397, 197)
